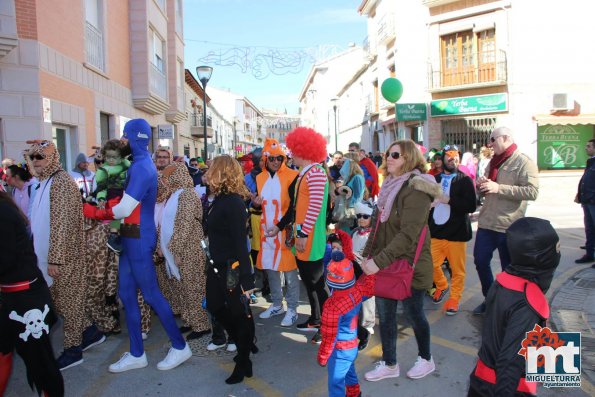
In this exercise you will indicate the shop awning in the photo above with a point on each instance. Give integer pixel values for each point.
(545, 119)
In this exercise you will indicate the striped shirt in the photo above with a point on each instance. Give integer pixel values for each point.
(316, 179)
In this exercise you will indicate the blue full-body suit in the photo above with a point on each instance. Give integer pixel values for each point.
(139, 237)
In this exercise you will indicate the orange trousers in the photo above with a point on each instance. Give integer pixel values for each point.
(455, 252)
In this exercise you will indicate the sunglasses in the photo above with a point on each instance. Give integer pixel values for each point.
(448, 148)
(365, 216)
(492, 139)
(36, 157)
(395, 155)
(275, 158)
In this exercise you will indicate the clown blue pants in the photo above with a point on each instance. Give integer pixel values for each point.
(341, 371)
(138, 271)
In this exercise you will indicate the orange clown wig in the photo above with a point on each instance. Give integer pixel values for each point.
(307, 144)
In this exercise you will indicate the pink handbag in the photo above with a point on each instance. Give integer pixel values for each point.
(394, 281)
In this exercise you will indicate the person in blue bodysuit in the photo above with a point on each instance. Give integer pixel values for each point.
(139, 237)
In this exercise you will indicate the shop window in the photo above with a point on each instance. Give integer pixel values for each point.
(468, 134)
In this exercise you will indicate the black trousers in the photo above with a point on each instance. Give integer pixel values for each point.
(31, 343)
(312, 274)
(240, 329)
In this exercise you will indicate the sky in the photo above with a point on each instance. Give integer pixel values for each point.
(264, 49)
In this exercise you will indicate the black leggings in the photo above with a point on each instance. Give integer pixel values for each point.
(312, 274)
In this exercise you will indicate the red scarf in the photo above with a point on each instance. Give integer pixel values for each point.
(498, 160)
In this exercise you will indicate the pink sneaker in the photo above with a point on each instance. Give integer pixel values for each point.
(421, 368)
(382, 371)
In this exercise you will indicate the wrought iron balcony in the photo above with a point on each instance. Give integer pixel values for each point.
(94, 47)
(197, 126)
(386, 28)
(492, 71)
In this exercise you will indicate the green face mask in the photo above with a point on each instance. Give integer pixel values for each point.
(112, 157)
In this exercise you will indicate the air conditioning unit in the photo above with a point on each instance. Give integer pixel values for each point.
(562, 102)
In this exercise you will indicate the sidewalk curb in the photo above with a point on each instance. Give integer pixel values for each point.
(573, 310)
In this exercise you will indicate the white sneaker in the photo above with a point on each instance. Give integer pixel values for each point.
(272, 311)
(382, 371)
(144, 335)
(231, 347)
(290, 318)
(421, 368)
(128, 362)
(174, 358)
(212, 347)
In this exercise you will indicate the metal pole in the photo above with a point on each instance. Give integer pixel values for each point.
(204, 119)
(336, 142)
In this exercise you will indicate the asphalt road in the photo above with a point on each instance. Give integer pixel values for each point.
(286, 364)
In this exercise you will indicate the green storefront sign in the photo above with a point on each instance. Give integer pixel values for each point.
(411, 112)
(562, 146)
(469, 105)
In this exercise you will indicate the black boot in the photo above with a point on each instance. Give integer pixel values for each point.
(242, 369)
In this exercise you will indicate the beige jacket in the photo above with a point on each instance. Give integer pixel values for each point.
(518, 182)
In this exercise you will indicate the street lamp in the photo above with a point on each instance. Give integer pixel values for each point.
(334, 102)
(204, 75)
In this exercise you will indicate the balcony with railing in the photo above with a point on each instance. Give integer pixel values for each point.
(8, 28)
(386, 28)
(94, 47)
(197, 126)
(158, 82)
(489, 70)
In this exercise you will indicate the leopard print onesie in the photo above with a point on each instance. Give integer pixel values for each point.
(99, 260)
(184, 246)
(66, 245)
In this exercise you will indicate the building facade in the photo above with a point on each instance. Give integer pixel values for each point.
(76, 72)
(467, 66)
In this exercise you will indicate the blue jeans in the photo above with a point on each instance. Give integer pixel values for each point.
(341, 371)
(589, 210)
(414, 312)
(486, 242)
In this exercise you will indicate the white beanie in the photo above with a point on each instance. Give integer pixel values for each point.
(363, 207)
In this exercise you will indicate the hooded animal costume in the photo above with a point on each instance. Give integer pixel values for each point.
(139, 237)
(276, 190)
(516, 303)
(57, 228)
(181, 229)
(339, 345)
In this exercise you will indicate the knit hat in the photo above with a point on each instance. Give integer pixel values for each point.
(340, 272)
(363, 207)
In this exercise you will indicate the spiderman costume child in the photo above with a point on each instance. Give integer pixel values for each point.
(339, 346)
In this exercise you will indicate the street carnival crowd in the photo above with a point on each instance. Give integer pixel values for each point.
(198, 240)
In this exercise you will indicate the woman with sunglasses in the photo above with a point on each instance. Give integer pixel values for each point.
(403, 207)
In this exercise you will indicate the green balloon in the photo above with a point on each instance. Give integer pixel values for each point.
(392, 89)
